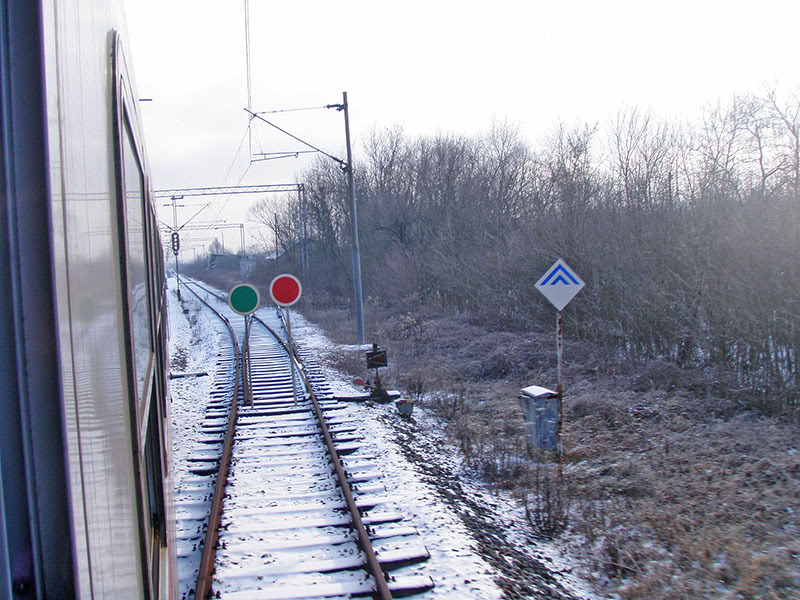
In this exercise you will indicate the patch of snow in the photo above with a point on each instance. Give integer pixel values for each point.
(193, 345)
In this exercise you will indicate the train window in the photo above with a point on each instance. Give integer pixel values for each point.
(143, 300)
(137, 275)
(153, 499)
(155, 309)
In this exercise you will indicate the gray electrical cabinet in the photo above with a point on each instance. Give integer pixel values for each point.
(540, 407)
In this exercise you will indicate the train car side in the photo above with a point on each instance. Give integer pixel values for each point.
(85, 503)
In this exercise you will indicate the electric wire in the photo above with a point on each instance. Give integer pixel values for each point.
(224, 180)
(216, 220)
(258, 139)
(341, 163)
(190, 237)
(276, 155)
(285, 110)
(249, 81)
(264, 156)
(224, 204)
(248, 133)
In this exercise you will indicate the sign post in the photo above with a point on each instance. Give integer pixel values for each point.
(559, 285)
(175, 239)
(244, 299)
(285, 290)
(376, 358)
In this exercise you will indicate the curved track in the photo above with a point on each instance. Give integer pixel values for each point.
(199, 501)
(295, 508)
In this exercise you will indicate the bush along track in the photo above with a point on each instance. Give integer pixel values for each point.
(674, 491)
(520, 575)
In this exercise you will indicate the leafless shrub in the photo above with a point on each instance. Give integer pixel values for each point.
(547, 500)
(493, 447)
(449, 405)
(416, 383)
(336, 322)
(351, 363)
(663, 485)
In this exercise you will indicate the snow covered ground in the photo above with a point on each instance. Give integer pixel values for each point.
(480, 543)
(194, 338)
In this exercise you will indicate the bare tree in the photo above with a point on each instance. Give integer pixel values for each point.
(786, 113)
(686, 235)
(644, 158)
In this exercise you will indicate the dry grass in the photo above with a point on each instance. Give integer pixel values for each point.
(678, 502)
(674, 493)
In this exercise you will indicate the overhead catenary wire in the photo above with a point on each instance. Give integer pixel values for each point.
(276, 155)
(249, 81)
(264, 156)
(247, 134)
(228, 172)
(285, 110)
(215, 220)
(343, 164)
(224, 204)
(225, 179)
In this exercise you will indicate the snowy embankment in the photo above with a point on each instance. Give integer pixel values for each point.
(194, 339)
(480, 543)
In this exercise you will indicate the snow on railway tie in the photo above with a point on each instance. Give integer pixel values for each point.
(193, 498)
(285, 530)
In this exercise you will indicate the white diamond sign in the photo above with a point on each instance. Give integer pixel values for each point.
(560, 284)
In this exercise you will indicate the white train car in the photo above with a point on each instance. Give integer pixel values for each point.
(85, 490)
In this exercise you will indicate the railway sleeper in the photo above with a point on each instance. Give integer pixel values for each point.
(342, 520)
(388, 559)
(400, 587)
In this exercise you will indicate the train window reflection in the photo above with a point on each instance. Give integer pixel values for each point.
(137, 276)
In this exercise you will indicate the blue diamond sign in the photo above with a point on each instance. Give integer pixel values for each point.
(560, 284)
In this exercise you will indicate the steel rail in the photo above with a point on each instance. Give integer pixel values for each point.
(374, 567)
(248, 388)
(204, 576)
(362, 534)
(219, 297)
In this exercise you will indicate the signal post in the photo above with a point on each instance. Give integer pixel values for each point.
(559, 285)
(285, 290)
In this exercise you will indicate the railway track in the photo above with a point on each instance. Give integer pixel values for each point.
(301, 512)
(194, 498)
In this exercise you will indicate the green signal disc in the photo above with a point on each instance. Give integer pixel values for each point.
(243, 298)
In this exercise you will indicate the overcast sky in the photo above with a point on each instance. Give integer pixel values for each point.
(430, 66)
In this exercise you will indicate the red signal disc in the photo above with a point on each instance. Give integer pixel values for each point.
(285, 289)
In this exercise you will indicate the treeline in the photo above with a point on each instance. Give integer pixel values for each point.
(688, 236)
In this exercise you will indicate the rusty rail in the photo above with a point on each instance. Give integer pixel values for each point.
(204, 576)
(203, 586)
(373, 565)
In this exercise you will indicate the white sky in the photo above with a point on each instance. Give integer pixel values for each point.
(430, 66)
